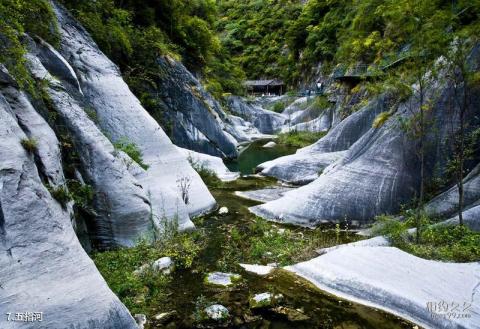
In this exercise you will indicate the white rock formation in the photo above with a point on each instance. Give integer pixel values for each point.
(217, 312)
(265, 299)
(266, 194)
(43, 268)
(223, 211)
(261, 270)
(121, 116)
(270, 144)
(210, 162)
(394, 281)
(222, 279)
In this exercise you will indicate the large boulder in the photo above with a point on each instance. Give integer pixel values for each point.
(43, 268)
(121, 117)
(300, 168)
(242, 130)
(122, 215)
(446, 204)
(471, 218)
(267, 122)
(368, 181)
(210, 163)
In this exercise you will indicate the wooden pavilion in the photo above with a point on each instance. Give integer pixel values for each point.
(265, 87)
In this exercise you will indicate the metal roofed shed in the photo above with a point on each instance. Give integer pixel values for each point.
(265, 87)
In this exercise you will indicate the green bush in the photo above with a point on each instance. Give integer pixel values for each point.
(278, 107)
(134, 34)
(81, 194)
(208, 176)
(263, 242)
(132, 150)
(299, 138)
(145, 292)
(34, 17)
(61, 194)
(29, 144)
(380, 119)
(437, 241)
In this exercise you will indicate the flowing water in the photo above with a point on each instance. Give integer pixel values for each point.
(190, 293)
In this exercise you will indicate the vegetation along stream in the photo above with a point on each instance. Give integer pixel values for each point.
(220, 243)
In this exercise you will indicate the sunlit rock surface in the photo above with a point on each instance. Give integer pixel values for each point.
(121, 117)
(209, 162)
(471, 218)
(267, 122)
(266, 194)
(299, 168)
(43, 268)
(397, 282)
(121, 203)
(242, 130)
(307, 163)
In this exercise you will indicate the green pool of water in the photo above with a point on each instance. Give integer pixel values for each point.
(255, 154)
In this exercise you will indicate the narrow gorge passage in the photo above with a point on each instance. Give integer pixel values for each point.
(254, 164)
(236, 237)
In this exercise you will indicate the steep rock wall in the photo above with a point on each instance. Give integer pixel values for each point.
(43, 268)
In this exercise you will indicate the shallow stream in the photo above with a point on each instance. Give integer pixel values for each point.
(317, 309)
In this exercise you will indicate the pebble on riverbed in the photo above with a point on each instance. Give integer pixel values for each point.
(165, 317)
(223, 211)
(164, 265)
(141, 320)
(264, 300)
(217, 312)
(222, 279)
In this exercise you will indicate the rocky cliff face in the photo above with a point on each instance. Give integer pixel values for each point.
(67, 132)
(43, 267)
(195, 120)
(376, 174)
(120, 116)
(267, 122)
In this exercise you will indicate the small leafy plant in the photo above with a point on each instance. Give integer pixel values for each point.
(132, 150)
(29, 144)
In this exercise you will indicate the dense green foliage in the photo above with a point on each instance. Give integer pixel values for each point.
(254, 33)
(133, 34)
(16, 17)
(443, 242)
(281, 38)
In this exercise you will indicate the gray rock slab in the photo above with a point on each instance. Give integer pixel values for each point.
(392, 280)
(266, 194)
(299, 168)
